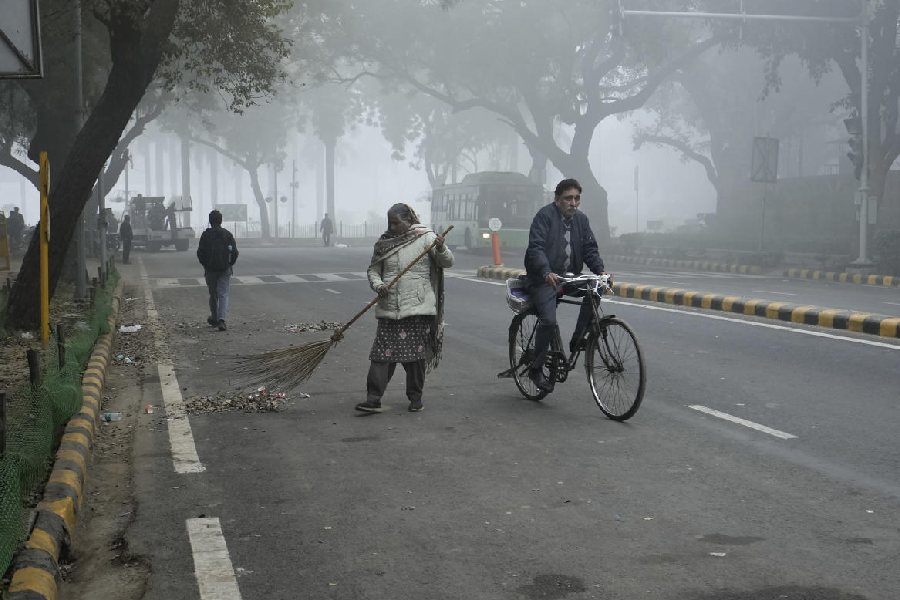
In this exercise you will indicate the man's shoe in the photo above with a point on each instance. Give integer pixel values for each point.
(540, 380)
(415, 406)
(222, 326)
(212, 321)
(576, 345)
(369, 406)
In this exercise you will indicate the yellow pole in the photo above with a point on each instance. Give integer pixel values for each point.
(44, 241)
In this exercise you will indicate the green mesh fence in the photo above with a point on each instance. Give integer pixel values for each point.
(36, 419)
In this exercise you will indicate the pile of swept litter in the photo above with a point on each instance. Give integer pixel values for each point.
(260, 401)
(320, 326)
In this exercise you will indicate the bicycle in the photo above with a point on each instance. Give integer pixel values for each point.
(613, 361)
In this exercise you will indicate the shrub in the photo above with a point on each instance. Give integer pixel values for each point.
(887, 251)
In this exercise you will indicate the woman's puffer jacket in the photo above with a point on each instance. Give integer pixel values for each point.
(415, 293)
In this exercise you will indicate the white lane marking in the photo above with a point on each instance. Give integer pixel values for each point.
(760, 324)
(769, 292)
(744, 422)
(181, 438)
(892, 303)
(250, 280)
(480, 280)
(332, 291)
(212, 563)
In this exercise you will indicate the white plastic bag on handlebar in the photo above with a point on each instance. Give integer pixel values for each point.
(517, 297)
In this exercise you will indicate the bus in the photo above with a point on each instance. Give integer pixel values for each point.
(470, 204)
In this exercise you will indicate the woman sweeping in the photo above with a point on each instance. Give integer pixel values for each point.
(410, 313)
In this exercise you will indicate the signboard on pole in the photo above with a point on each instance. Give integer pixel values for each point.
(20, 40)
(765, 160)
(233, 213)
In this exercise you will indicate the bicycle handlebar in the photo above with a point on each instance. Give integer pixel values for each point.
(603, 281)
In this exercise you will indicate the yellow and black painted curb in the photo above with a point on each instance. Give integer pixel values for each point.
(35, 574)
(697, 265)
(884, 280)
(806, 314)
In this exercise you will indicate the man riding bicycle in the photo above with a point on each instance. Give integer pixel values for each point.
(560, 241)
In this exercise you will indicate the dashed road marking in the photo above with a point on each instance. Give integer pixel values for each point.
(716, 413)
(332, 291)
(212, 563)
(181, 438)
(241, 280)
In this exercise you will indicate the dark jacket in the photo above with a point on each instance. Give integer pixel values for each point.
(125, 231)
(204, 247)
(546, 245)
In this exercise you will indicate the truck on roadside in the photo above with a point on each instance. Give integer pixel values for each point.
(156, 225)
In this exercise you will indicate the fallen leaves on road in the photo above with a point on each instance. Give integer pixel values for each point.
(303, 327)
(259, 401)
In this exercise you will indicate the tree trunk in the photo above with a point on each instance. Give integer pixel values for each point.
(132, 70)
(329, 178)
(260, 202)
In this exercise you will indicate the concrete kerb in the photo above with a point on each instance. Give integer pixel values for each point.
(858, 278)
(35, 573)
(697, 265)
(880, 325)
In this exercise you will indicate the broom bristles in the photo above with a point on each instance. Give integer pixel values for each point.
(286, 367)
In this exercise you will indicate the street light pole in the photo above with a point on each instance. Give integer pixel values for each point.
(275, 198)
(293, 196)
(863, 196)
(80, 281)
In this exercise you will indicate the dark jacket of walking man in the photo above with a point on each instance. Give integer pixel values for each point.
(560, 241)
(217, 252)
(326, 227)
(125, 234)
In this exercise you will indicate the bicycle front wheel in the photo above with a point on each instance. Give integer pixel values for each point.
(521, 353)
(615, 370)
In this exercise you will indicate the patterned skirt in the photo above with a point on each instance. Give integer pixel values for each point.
(401, 340)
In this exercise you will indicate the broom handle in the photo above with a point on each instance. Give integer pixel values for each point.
(340, 331)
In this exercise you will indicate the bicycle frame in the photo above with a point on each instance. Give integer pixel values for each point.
(595, 285)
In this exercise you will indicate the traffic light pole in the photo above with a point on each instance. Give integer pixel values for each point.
(863, 260)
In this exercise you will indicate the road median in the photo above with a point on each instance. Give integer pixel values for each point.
(873, 324)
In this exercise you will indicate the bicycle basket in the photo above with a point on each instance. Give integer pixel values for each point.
(517, 296)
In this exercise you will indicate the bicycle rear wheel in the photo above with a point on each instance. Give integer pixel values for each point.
(521, 353)
(615, 370)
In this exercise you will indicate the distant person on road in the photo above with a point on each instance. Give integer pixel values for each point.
(411, 313)
(560, 241)
(217, 252)
(15, 226)
(171, 219)
(125, 234)
(327, 228)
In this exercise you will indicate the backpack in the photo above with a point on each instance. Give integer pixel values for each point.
(219, 251)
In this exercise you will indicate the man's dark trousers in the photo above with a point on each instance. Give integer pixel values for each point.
(543, 297)
(126, 250)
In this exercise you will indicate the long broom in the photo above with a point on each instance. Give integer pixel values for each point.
(289, 367)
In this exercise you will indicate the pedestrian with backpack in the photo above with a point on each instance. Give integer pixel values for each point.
(217, 252)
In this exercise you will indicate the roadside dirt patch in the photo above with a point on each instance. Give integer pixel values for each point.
(101, 565)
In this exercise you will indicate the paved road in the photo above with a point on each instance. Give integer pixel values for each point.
(487, 495)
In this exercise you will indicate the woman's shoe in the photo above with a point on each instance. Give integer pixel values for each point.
(369, 406)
